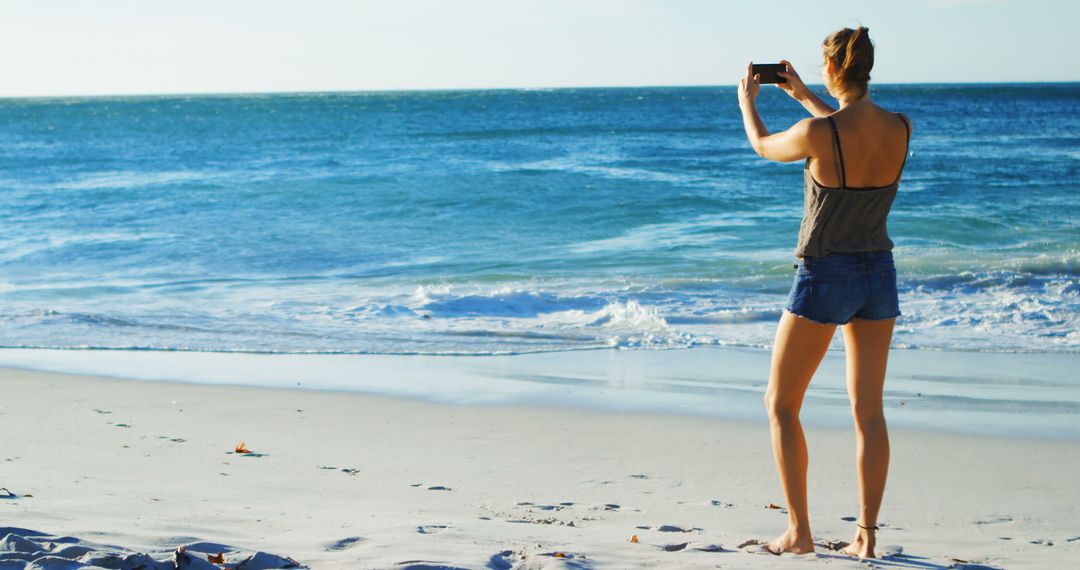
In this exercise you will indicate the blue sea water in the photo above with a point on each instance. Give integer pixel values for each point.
(505, 221)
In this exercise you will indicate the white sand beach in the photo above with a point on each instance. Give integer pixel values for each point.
(351, 480)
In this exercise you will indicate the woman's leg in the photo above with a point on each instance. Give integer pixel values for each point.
(867, 346)
(800, 346)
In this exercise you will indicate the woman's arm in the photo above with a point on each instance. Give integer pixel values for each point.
(814, 104)
(785, 146)
(801, 93)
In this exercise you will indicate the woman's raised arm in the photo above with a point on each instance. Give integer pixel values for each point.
(801, 93)
(785, 146)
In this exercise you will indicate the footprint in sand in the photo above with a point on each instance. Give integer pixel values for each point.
(425, 565)
(344, 543)
(834, 545)
(503, 560)
(431, 488)
(556, 560)
(668, 528)
(892, 550)
(532, 506)
(346, 470)
(994, 520)
(755, 546)
(520, 560)
(248, 454)
(431, 528)
(699, 546)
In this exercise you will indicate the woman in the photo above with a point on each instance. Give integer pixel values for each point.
(845, 275)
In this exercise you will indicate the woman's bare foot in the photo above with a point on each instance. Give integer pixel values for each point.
(863, 544)
(791, 541)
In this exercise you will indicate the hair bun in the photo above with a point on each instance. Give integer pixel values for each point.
(852, 53)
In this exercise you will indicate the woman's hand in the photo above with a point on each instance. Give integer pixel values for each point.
(794, 86)
(748, 86)
(801, 93)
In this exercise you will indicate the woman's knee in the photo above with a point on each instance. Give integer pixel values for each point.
(780, 408)
(868, 414)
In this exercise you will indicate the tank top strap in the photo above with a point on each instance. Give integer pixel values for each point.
(907, 147)
(839, 153)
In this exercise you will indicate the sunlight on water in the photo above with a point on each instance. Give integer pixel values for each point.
(508, 221)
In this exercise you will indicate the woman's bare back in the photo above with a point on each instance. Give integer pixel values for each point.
(873, 142)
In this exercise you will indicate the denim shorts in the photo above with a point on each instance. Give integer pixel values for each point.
(835, 288)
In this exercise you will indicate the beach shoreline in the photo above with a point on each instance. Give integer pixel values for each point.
(1026, 395)
(352, 480)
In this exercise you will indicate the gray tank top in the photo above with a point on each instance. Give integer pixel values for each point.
(845, 220)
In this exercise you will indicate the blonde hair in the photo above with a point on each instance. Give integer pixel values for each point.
(852, 55)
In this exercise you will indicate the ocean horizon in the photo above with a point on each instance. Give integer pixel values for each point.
(817, 87)
(504, 221)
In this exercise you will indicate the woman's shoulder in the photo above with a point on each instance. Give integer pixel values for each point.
(818, 130)
(817, 126)
(811, 128)
(903, 117)
(907, 121)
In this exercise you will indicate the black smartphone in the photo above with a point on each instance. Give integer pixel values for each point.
(768, 72)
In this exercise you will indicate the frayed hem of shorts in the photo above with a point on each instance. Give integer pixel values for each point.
(816, 322)
(877, 318)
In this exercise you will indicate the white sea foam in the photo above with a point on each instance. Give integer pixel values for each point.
(700, 232)
(23, 246)
(630, 324)
(136, 179)
(968, 311)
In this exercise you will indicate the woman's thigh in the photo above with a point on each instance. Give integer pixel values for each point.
(866, 344)
(800, 345)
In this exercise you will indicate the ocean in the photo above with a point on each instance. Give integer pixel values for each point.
(509, 221)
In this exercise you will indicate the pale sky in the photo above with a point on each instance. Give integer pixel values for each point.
(88, 47)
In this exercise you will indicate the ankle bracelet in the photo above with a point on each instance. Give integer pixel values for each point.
(866, 527)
